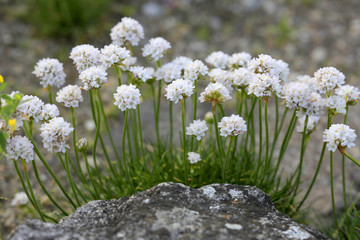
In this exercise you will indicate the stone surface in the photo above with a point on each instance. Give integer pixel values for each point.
(175, 211)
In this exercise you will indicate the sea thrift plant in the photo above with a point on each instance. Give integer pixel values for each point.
(236, 143)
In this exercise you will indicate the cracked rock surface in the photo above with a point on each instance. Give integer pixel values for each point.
(175, 211)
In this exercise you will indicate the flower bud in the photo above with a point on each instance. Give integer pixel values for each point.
(209, 118)
(82, 145)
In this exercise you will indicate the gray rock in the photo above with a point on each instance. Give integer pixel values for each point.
(175, 211)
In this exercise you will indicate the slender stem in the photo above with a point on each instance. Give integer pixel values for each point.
(98, 121)
(194, 110)
(277, 132)
(266, 139)
(218, 139)
(351, 158)
(221, 110)
(156, 118)
(126, 113)
(171, 127)
(118, 73)
(70, 177)
(158, 113)
(134, 126)
(183, 119)
(260, 143)
(332, 189)
(47, 165)
(224, 167)
(140, 133)
(343, 164)
(44, 189)
(50, 94)
(90, 174)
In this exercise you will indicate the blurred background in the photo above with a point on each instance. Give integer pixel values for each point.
(307, 34)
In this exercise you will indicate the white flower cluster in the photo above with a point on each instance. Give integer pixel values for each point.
(30, 107)
(221, 76)
(215, 92)
(70, 96)
(113, 54)
(20, 147)
(336, 105)
(169, 72)
(93, 77)
(155, 48)
(19, 199)
(48, 112)
(296, 94)
(85, 56)
(265, 64)
(128, 31)
(197, 128)
(179, 89)
(54, 134)
(241, 77)
(50, 71)
(127, 97)
(264, 85)
(339, 135)
(312, 122)
(128, 63)
(328, 78)
(315, 106)
(232, 126)
(350, 93)
(307, 79)
(82, 145)
(182, 62)
(239, 60)
(194, 157)
(142, 73)
(218, 59)
(194, 70)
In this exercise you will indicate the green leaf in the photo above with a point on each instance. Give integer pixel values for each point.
(2, 86)
(2, 141)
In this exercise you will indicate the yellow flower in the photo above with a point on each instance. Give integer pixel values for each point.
(1, 79)
(12, 125)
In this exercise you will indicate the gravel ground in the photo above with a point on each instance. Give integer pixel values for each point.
(306, 34)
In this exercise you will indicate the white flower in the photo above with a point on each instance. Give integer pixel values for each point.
(264, 85)
(128, 31)
(70, 96)
(85, 56)
(232, 126)
(20, 147)
(93, 77)
(328, 78)
(128, 63)
(127, 97)
(218, 59)
(283, 69)
(194, 70)
(142, 73)
(30, 107)
(82, 145)
(348, 92)
(307, 80)
(312, 122)
(179, 89)
(19, 199)
(215, 92)
(113, 54)
(339, 135)
(49, 111)
(168, 72)
(239, 60)
(296, 94)
(316, 104)
(336, 105)
(155, 48)
(50, 71)
(182, 62)
(241, 77)
(54, 134)
(194, 157)
(265, 64)
(221, 76)
(197, 128)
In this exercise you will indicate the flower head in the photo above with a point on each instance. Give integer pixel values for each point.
(50, 71)
(339, 135)
(239, 60)
(128, 31)
(127, 97)
(82, 145)
(221, 76)
(19, 199)
(113, 54)
(315, 104)
(296, 94)
(142, 74)
(128, 63)
(179, 89)
(155, 48)
(232, 126)
(209, 118)
(218, 59)
(336, 105)
(328, 78)
(311, 125)
(20, 147)
(241, 77)
(182, 62)
(216, 92)
(264, 85)
(194, 157)
(265, 64)
(197, 128)
(350, 93)
(49, 111)
(30, 107)
(93, 77)
(168, 72)
(85, 56)
(54, 134)
(70, 96)
(194, 70)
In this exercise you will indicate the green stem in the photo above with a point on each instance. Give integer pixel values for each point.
(224, 167)
(156, 118)
(118, 73)
(351, 158)
(90, 175)
(277, 132)
(98, 121)
(140, 134)
(158, 114)
(70, 178)
(126, 116)
(267, 161)
(134, 126)
(183, 119)
(332, 189)
(171, 127)
(260, 143)
(218, 138)
(343, 164)
(50, 94)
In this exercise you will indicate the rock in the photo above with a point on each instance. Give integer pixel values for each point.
(175, 211)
